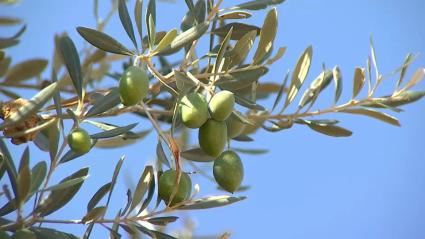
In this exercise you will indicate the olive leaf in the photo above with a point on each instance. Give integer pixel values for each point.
(403, 98)
(235, 15)
(126, 21)
(117, 142)
(103, 41)
(38, 174)
(23, 180)
(72, 62)
(196, 155)
(241, 49)
(138, 17)
(186, 37)
(9, 21)
(374, 114)
(48, 233)
(359, 80)
(142, 186)
(94, 214)
(327, 128)
(34, 104)
(280, 52)
(165, 41)
(100, 193)
(210, 202)
(162, 221)
(60, 197)
(257, 4)
(151, 22)
(281, 90)
(267, 36)
(409, 58)
(241, 78)
(105, 103)
(299, 75)
(239, 30)
(338, 83)
(25, 70)
(116, 131)
(223, 48)
(316, 86)
(66, 184)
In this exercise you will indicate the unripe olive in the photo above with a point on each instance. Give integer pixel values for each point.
(79, 141)
(23, 234)
(234, 126)
(228, 171)
(194, 110)
(167, 183)
(133, 86)
(221, 105)
(212, 137)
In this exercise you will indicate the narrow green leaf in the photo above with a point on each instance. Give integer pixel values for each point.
(267, 36)
(281, 90)
(72, 62)
(25, 70)
(117, 142)
(330, 130)
(138, 17)
(373, 54)
(239, 30)
(247, 103)
(280, 52)
(403, 98)
(151, 32)
(48, 233)
(338, 83)
(299, 75)
(374, 114)
(94, 214)
(103, 41)
(23, 182)
(316, 86)
(251, 151)
(32, 107)
(200, 11)
(196, 155)
(142, 186)
(166, 41)
(359, 80)
(241, 49)
(38, 174)
(211, 202)
(114, 178)
(162, 221)
(9, 21)
(105, 103)
(59, 198)
(114, 132)
(66, 184)
(54, 134)
(220, 55)
(407, 61)
(126, 21)
(100, 193)
(186, 37)
(241, 78)
(4, 65)
(161, 154)
(257, 4)
(235, 15)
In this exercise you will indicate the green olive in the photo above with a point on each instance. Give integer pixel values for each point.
(194, 110)
(24, 234)
(167, 183)
(228, 171)
(221, 105)
(234, 126)
(133, 86)
(212, 137)
(79, 141)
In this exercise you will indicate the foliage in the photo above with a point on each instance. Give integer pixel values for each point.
(206, 89)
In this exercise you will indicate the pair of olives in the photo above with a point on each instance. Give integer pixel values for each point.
(214, 131)
(228, 172)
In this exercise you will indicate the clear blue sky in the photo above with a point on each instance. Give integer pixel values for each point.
(371, 185)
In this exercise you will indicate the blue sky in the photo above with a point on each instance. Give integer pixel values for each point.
(371, 185)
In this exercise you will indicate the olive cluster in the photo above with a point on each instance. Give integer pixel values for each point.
(216, 125)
